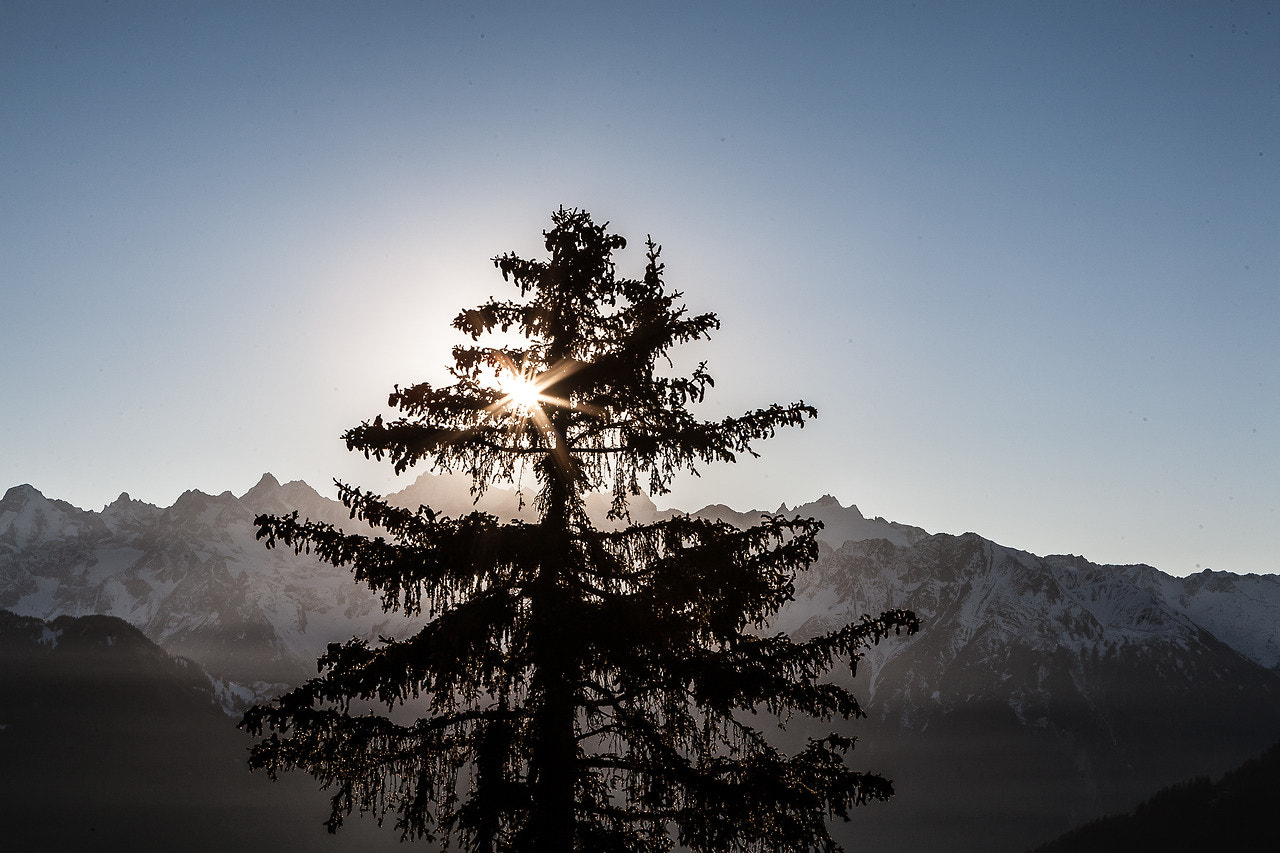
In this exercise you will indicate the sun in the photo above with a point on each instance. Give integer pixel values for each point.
(522, 394)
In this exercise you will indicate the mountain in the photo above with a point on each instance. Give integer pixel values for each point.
(1042, 691)
(107, 743)
(840, 524)
(1241, 610)
(192, 577)
(1237, 812)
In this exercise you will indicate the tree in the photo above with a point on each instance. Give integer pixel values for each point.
(587, 689)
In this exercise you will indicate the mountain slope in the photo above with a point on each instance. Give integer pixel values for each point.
(109, 744)
(1241, 610)
(1237, 812)
(1040, 692)
(192, 577)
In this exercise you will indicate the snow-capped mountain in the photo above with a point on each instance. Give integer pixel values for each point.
(1042, 691)
(192, 577)
(1241, 610)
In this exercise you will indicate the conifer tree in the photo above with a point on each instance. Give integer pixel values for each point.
(587, 689)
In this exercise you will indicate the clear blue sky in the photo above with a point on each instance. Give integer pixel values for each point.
(1024, 256)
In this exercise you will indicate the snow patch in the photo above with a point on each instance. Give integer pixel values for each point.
(42, 603)
(235, 698)
(49, 637)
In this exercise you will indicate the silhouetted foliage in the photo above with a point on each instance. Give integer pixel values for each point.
(586, 687)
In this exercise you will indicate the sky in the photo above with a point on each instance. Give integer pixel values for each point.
(1023, 257)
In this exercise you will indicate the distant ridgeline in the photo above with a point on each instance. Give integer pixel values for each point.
(1079, 689)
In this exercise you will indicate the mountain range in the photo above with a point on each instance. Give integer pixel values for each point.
(1043, 691)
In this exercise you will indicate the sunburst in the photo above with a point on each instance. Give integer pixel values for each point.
(522, 396)
(520, 386)
(524, 399)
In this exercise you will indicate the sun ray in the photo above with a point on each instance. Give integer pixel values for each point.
(522, 397)
(522, 388)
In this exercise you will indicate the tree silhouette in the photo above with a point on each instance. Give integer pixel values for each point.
(586, 688)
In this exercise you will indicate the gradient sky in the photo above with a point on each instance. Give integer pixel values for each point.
(1024, 257)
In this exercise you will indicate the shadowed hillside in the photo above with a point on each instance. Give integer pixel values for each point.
(109, 744)
(1238, 812)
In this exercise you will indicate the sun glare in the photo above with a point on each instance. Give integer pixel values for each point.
(522, 392)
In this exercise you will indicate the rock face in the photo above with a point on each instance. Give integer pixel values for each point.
(1042, 691)
(1241, 610)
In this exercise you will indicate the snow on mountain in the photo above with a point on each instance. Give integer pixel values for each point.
(28, 518)
(192, 576)
(1074, 688)
(1241, 610)
(979, 600)
(195, 579)
(1126, 602)
(1039, 692)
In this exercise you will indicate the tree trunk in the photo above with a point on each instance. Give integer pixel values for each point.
(555, 749)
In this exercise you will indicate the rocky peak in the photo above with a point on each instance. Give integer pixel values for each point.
(28, 517)
(126, 514)
(199, 513)
(266, 485)
(18, 496)
(300, 494)
(265, 496)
